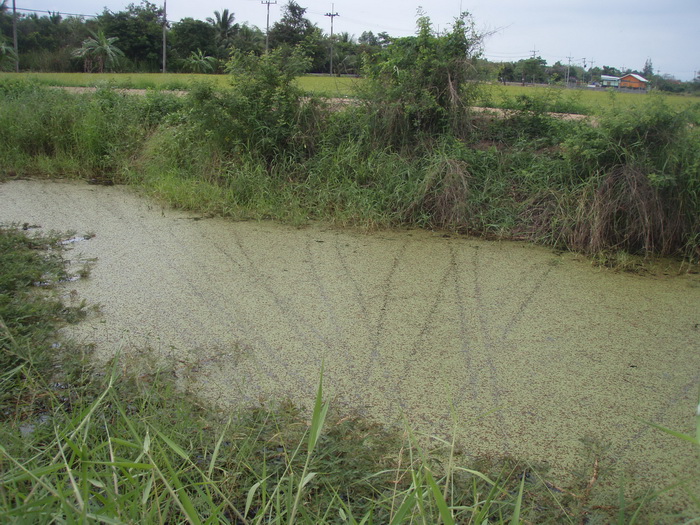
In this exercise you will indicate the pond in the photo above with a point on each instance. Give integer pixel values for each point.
(518, 349)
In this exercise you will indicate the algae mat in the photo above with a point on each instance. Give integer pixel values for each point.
(531, 351)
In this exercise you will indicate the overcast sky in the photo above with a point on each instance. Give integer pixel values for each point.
(619, 33)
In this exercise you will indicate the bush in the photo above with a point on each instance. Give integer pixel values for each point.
(642, 182)
(424, 84)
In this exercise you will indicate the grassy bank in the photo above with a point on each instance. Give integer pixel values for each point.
(129, 443)
(628, 185)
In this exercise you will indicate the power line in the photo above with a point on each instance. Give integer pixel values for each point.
(53, 12)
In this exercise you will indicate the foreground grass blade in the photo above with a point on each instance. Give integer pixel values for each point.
(445, 512)
(319, 416)
(317, 420)
(515, 519)
(408, 504)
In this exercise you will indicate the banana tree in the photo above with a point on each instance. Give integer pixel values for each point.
(99, 51)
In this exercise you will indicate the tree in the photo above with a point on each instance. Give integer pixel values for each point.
(532, 70)
(368, 39)
(292, 28)
(345, 51)
(140, 33)
(648, 70)
(556, 73)
(428, 77)
(7, 56)
(384, 39)
(189, 35)
(507, 72)
(225, 30)
(249, 39)
(611, 71)
(198, 62)
(100, 51)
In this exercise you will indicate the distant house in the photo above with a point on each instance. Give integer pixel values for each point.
(633, 81)
(609, 81)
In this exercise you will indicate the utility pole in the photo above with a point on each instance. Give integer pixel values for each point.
(14, 34)
(165, 33)
(592, 62)
(534, 69)
(267, 26)
(332, 15)
(568, 68)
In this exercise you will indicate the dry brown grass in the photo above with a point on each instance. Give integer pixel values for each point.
(626, 211)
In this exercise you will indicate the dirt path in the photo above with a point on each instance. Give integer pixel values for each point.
(533, 350)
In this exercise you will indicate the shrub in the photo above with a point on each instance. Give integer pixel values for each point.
(424, 84)
(642, 182)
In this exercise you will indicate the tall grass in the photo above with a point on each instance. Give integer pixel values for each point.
(45, 132)
(261, 150)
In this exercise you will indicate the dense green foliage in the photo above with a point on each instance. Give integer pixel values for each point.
(424, 83)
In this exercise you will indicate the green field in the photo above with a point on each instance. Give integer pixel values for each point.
(584, 100)
(559, 99)
(122, 80)
(322, 85)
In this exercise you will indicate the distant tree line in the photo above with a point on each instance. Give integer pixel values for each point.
(130, 40)
(535, 70)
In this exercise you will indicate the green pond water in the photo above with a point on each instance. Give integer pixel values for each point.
(517, 349)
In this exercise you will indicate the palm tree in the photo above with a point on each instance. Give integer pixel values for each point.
(99, 49)
(225, 28)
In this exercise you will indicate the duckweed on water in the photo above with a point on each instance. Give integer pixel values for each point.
(490, 341)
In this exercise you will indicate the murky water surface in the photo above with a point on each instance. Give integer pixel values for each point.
(531, 351)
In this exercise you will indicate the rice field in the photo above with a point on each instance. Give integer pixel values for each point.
(583, 100)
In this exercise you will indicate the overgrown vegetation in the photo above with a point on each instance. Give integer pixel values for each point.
(83, 443)
(408, 154)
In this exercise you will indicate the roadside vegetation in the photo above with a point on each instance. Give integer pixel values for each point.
(128, 443)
